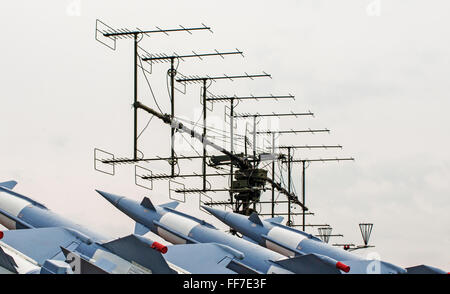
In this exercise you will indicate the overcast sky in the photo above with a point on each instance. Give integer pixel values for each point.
(376, 73)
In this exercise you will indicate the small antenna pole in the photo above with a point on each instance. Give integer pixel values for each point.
(204, 134)
(303, 193)
(254, 140)
(135, 96)
(231, 147)
(273, 176)
(289, 223)
(172, 114)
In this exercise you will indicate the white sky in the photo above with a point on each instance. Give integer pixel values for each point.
(374, 72)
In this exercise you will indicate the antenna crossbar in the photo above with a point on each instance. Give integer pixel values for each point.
(321, 159)
(193, 79)
(309, 147)
(175, 56)
(126, 32)
(294, 131)
(197, 190)
(223, 98)
(131, 160)
(166, 176)
(246, 115)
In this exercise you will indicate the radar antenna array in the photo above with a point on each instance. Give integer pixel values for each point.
(248, 181)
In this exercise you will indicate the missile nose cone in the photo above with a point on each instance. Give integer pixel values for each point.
(220, 214)
(114, 199)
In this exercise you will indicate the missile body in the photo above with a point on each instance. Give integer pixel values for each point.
(291, 242)
(179, 228)
(248, 257)
(46, 240)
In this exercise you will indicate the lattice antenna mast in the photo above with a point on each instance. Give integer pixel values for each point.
(163, 58)
(204, 80)
(108, 37)
(232, 99)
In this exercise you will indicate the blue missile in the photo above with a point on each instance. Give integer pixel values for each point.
(58, 245)
(247, 257)
(291, 242)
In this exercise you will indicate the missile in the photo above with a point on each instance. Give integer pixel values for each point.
(290, 242)
(246, 257)
(55, 244)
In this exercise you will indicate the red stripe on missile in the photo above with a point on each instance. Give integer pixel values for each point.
(1, 235)
(160, 247)
(342, 267)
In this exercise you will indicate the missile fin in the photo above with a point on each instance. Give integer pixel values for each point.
(254, 218)
(133, 249)
(424, 269)
(40, 244)
(140, 229)
(277, 219)
(307, 264)
(147, 204)
(171, 205)
(7, 262)
(9, 185)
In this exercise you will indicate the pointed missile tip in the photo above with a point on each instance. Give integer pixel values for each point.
(208, 209)
(114, 199)
(220, 214)
(103, 194)
(99, 192)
